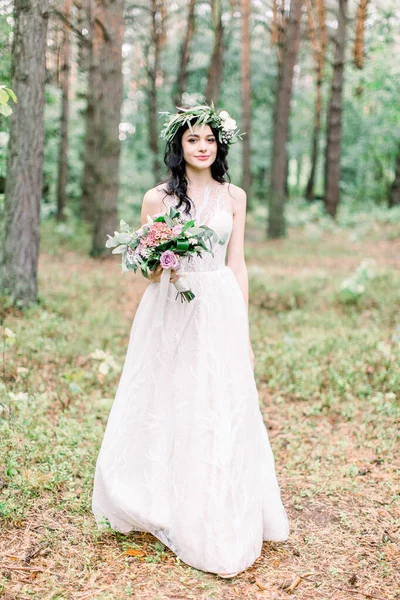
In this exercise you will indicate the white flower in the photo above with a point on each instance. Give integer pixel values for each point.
(130, 256)
(224, 115)
(229, 124)
(145, 252)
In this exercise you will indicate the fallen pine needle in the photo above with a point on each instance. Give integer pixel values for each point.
(342, 589)
(29, 569)
(88, 595)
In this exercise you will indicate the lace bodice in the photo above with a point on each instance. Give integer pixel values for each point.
(215, 210)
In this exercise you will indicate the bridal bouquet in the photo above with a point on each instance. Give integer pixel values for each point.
(163, 240)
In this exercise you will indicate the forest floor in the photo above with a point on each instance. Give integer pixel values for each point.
(328, 374)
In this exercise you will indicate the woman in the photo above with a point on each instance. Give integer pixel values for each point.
(186, 455)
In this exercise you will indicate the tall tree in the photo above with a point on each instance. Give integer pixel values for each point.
(214, 76)
(158, 39)
(288, 45)
(394, 198)
(334, 117)
(102, 145)
(318, 42)
(20, 243)
(185, 54)
(64, 83)
(359, 39)
(245, 10)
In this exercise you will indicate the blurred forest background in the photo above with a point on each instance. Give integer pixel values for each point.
(315, 84)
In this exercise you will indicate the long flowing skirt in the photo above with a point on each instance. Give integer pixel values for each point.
(186, 455)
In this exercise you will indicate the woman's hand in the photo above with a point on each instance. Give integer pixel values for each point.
(155, 276)
(251, 356)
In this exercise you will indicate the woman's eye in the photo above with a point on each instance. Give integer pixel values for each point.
(192, 140)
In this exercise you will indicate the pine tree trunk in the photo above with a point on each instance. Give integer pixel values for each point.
(334, 118)
(214, 77)
(309, 193)
(246, 95)
(102, 147)
(63, 149)
(20, 243)
(185, 54)
(94, 90)
(288, 51)
(394, 199)
(157, 33)
(318, 42)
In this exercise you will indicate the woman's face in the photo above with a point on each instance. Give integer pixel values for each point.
(200, 147)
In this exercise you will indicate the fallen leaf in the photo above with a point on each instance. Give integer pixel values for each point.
(261, 584)
(353, 579)
(133, 552)
(296, 581)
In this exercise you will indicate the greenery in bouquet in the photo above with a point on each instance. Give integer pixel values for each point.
(164, 240)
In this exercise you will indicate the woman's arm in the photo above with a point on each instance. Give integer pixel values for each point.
(151, 205)
(235, 252)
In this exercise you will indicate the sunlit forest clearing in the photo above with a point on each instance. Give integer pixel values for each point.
(326, 368)
(315, 86)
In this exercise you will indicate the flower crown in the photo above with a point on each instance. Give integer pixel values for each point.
(228, 132)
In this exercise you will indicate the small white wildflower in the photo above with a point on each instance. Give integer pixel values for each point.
(224, 115)
(98, 354)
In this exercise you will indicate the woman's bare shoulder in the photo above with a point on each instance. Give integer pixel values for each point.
(238, 198)
(154, 197)
(237, 192)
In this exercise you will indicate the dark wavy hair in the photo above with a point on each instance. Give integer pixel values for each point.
(176, 183)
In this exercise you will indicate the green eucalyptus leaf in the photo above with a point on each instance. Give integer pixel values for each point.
(3, 96)
(5, 110)
(12, 94)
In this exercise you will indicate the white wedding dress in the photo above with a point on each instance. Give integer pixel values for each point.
(186, 455)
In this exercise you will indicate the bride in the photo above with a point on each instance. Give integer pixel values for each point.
(186, 455)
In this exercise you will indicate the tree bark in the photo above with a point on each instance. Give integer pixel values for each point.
(359, 40)
(214, 77)
(157, 13)
(334, 118)
(102, 145)
(319, 51)
(20, 243)
(245, 9)
(63, 149)
(394, 198)
(288, 48)
(185, 54)
(94, 89)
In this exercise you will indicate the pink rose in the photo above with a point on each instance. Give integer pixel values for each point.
(169, 260)
(177, 229)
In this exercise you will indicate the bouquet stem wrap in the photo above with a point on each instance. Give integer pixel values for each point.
(180, 286)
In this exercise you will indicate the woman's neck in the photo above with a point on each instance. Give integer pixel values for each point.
(199, 180)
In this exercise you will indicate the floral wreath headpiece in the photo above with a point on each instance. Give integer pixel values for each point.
(228, 132)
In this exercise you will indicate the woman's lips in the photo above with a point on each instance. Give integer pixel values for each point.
(202, 157)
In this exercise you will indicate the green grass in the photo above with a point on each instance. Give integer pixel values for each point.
(328, 374)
